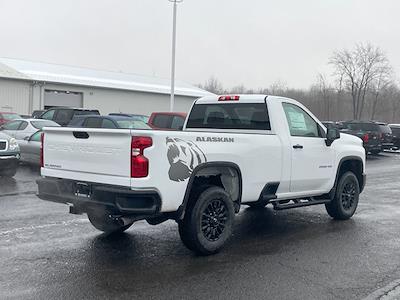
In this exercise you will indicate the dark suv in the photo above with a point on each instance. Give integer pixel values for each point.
(369, 132)
(64, 115)
(396, 135)
(386, 136)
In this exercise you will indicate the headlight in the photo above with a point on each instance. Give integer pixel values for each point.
(13, 145)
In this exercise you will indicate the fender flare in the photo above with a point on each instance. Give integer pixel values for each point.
(182, 207)
(341, 162)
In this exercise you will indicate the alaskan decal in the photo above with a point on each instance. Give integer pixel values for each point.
(183, 157)
(215, 139)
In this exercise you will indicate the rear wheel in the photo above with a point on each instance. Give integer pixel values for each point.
(208, 222)
(9, 172)
(345, 202)
(103, 222)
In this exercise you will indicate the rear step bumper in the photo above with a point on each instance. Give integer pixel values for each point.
(117, 199)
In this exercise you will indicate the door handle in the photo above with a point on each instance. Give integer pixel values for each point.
(297, 146)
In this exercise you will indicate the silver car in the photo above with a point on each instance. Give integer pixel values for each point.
(30, 148)
(9, 155)
(21, 129)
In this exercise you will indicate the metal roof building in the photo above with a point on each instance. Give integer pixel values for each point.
(26, 86)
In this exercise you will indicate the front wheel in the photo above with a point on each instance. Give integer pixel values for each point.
(345, 202)
(103, 222)
(208, 222)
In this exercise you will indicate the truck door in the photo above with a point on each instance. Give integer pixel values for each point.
(312, 161)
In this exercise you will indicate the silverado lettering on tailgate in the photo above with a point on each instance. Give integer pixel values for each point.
(80, 148)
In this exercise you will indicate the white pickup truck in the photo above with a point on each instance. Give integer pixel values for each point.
(249, 149)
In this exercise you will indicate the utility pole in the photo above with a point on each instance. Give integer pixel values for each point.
(175, 5)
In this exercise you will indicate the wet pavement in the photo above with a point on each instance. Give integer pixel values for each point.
(46, 253)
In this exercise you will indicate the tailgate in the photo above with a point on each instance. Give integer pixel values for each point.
(97, 155)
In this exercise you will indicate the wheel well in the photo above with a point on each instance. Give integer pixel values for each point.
(355, 166)
(225, 176)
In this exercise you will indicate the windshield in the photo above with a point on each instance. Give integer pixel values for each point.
(45, 123)
(10, 116)
(132, 124)
(363, 126)
(144, 119)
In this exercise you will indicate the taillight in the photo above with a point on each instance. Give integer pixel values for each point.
(140, 163)
(228, 98)
(41, 149)
(365, 138)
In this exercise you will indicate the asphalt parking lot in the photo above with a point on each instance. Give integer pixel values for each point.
(46, 253)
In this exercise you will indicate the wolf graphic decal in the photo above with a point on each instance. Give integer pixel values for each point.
(183, 157)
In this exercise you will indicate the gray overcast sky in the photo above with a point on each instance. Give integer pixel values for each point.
(254, 42)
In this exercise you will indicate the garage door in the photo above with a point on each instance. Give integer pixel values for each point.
(62, 98)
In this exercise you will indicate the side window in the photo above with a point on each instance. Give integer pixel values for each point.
(36, 137)
(93, 123)
(48, 115)
(162, 121)
(23, 125)
(12, 125)
(64, 116)
(108, 124)
(300, 123)
(177, 122)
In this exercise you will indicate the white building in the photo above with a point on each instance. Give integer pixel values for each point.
(27, 86)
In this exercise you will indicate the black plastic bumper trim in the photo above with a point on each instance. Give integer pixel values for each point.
(117, 199)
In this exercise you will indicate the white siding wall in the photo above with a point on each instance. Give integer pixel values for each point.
(14, 96)
(108, 100)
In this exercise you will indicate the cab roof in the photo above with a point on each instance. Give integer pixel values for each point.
(235, 98)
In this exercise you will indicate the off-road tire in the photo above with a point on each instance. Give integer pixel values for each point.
(103, 222)
(345, 202)
(8, 173)
(208, 221)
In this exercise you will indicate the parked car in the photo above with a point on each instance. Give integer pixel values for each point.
(167, 120)
(111, 122)
(37, 113)
(134, 116)
(8, 116)
(369, 132)
(248, 149)
(329, 124)
(386, 136)
(64, 115)
(30, 148)
(22, 128)
(9, 155)
(396, 135)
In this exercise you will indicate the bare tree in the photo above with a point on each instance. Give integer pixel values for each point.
(213, 85)
(378, 87)
(278, 88)
(324, 90)
(359, 67)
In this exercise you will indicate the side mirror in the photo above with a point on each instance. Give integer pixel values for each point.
(27, 138)
(332, 134)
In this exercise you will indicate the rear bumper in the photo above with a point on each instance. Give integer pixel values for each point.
(387, 145)
(9, 161)
(116, 199)
(369, 148)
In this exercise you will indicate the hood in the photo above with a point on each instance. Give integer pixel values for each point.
(4, 136)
